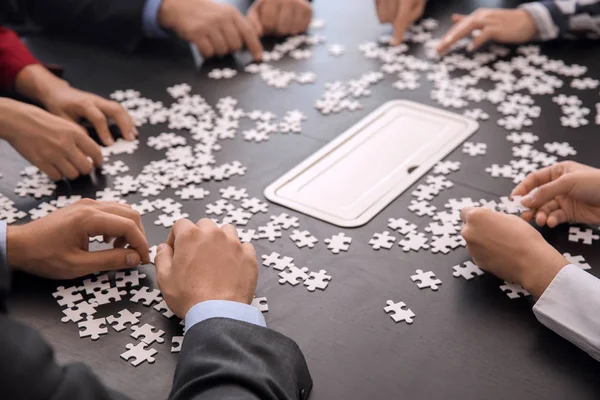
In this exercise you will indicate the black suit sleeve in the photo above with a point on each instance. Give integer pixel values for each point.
(119, 22)
(28, 370)
(228, 359)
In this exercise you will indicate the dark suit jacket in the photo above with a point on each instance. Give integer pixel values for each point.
(220, 359)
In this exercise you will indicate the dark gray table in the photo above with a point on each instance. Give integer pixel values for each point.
(468, 339)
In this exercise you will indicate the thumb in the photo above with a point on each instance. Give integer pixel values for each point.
(164, 258)
(465, 213)
(545, 193)
(403, 19)
(108, 260)
(254, 20)
(457, 17)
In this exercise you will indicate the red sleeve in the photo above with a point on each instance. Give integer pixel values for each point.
(14, 56)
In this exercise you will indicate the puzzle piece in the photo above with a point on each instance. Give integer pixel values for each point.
(563, 149)
(293, 275)
(458, 205)
(93, 328)
(145, 295)
(445, 167)
(512, 206)
(338, 243)
(421, 208)
(162, 306)
(401, 226)
(513, 290)
(147, 333)
(317, 280)
(246, 235)
(233, 193)
(255, 205)
(474, 149)
(270, 232)
(277, 261)
(130, 277)
(382, 240)
(577, 260)
(261, 304)
(285, 221)
(441, 229)
(468, 270)
(125, 317)
(585, 236)
(399, 311)
(176, 343)
(424, 192)
(95, 284)
(67, 296)
(77, 311)
(440, 182)
(414, 241)
(140, 353)
(426, 280)
(303, 239)
(102, 297)
(192, 192)
(443, 244)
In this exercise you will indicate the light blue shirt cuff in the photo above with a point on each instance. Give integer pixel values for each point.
(150, 19)
(224, 309)
(3, 260)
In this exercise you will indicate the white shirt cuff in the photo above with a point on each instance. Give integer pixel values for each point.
(223, 309)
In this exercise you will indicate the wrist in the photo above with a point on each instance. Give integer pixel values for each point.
(15, 247)
(166, 11)
(38, 84)
(539, 272)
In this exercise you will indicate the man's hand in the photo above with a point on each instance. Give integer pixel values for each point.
(56, 246)
(503, 26)
(59, 98)
(58, 147)
(204, 262)
(280, 17)
(511, 249)
(564, 192)
(215, 29)
(401, 14)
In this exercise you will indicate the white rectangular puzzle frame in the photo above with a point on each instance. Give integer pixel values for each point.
(359, 173)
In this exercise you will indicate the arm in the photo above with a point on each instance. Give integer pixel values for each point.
(224, 358)
(569, 307)
(14, 57)
(560, 18)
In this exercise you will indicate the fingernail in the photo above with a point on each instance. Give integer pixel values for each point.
(111, 141)
(135, 132)
(160, 247)
(132, 260)
(527, 199)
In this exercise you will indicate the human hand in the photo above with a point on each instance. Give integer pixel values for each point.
(56, 246)
(511, 249)
(565, 192)
(215, 29)
(401, 14)
(280, 17)
(56, 146)
(59, 98)
(204, 262)
(500, 25)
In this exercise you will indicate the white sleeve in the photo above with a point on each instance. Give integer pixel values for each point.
(570, 306)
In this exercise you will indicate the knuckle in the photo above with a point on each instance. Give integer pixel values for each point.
(86, 203)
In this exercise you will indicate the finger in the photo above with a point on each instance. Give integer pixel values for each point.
(122, 118)
(250, 38)
(485, 36)
(457, 32)
(231, 232)
(120, 243)
(458, 17)
(528, 215)
(205, 47)
(219, 43)
(255, 23)
(304, 21)
(67, 169)
(285, 20)
(98, 119)
(107, 260)
(385, 11)
(122, 210)
(113, 225)
(401, 22)
(249, 250)
(50, 170)
(464, 214)
(268, 16)
(232, 36)
(81, 162)
(533, 180)
(541, 218)
(545, 193)
(90, 149)
(547, 208)
(163, 259)
(556, 218)
(178, 229)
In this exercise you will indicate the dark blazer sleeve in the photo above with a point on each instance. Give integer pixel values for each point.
(29, 371)
(228, 359)
(119, 22)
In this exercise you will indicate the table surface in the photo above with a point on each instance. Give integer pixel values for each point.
(468, 339)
